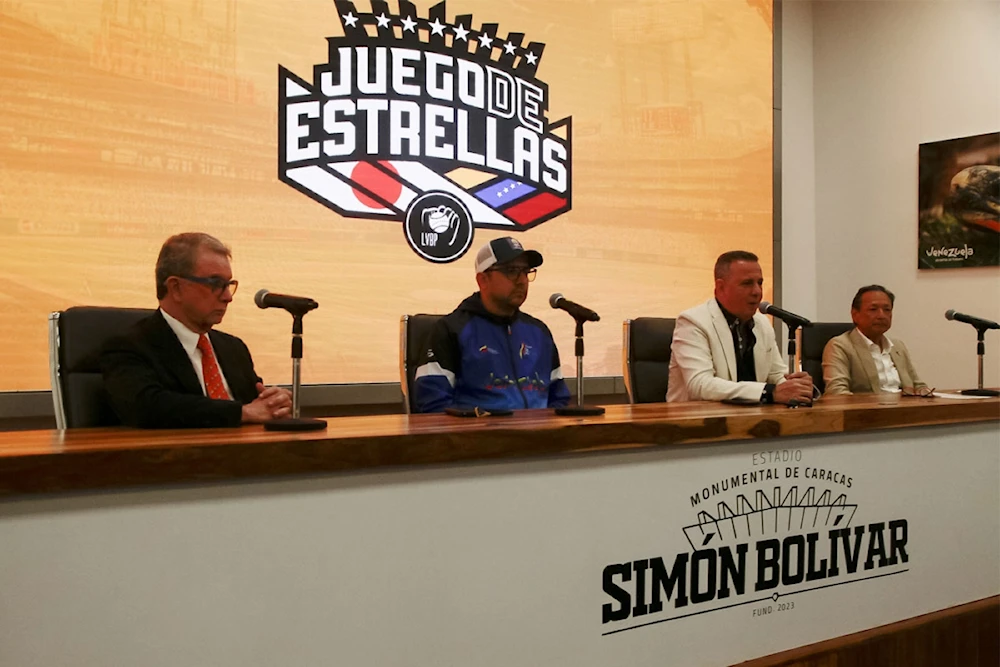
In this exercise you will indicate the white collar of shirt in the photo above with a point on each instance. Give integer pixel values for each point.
(188, 338)
(189, 341)
(871, 344)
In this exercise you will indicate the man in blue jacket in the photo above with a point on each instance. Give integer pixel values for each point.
(488, 354)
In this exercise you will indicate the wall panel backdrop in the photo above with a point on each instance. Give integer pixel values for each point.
(124, 121)
(887, 79)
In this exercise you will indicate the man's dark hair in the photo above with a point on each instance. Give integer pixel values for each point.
(726, 260)
(178, 255)
(856, 304)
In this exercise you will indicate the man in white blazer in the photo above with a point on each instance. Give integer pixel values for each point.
(725, 349)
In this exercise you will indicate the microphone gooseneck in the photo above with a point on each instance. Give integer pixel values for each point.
(580, 313)
(978, 322)
(297, 305)
(785, 316)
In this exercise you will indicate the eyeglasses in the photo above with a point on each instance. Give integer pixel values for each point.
(215, 283)
(919, 392)
(514, 272)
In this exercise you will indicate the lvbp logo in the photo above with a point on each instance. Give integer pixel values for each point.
(438, 124)
(778, 531)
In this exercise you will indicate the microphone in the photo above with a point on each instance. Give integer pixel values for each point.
(579, 312)
(293, 304)
(791, 319)
(977, 322)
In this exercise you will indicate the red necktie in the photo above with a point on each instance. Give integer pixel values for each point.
(210, 371)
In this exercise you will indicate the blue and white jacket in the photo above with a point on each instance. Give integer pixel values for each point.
(477, 359)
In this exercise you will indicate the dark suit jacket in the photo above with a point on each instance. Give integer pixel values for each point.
(152, 384)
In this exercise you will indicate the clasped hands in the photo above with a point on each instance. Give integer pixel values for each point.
(271, 403)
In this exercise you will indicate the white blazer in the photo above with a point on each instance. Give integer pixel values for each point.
(703, 358)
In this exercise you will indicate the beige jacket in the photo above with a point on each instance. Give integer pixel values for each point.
(848, 367)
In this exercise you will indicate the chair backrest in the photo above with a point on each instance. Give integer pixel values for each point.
(646, 358)
(413, 333)
(76, 336)
(814, 339)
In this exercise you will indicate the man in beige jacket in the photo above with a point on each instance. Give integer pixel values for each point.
(865, 360)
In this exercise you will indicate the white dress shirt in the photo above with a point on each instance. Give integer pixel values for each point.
(189, 341)
(888, 376)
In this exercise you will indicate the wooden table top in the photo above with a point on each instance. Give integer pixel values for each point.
(52, 461)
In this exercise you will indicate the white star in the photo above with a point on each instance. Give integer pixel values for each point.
(531, 58)
(499, 194)
(383, 20)
(461, 33)
(349, 19)
(485, 41)
(506, 190)
(409, 24)
(509, 48)
(437, 28)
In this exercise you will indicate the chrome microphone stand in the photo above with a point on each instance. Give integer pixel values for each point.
(579, 410)
(296, 422)
(794, 364)
(980, 352)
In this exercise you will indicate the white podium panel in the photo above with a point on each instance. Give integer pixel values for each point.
(704, 555)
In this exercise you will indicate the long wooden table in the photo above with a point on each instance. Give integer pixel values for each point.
(52, 461)
(688, 534)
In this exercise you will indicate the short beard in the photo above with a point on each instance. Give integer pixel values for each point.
(509, 304)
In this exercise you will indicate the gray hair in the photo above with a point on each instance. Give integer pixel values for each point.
(178, 255)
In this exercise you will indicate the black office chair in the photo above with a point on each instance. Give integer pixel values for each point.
(814, 339)
(413, 333)
(646, 358)
(76, 336)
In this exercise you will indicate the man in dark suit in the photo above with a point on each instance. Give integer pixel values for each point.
(172, 369)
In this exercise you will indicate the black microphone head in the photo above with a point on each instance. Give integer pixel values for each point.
(555, 299)
(949, 314)
(259, 297)
(763, 307)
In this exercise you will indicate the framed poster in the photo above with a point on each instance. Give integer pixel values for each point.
(959, 203)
